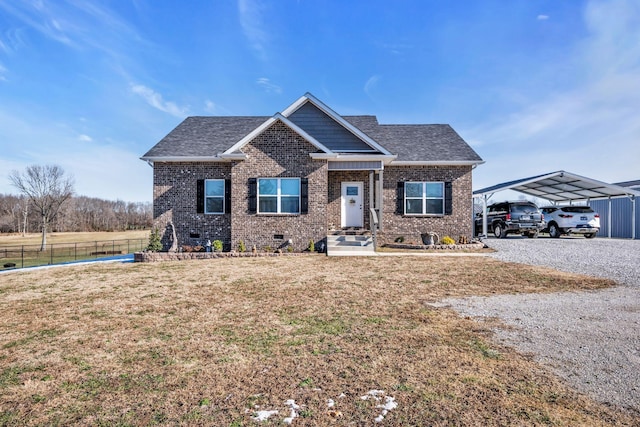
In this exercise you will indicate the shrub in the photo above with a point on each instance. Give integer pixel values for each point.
(289, 248)
(155, 243)
(446, 240)
(217, 245)
(241, 246)
(312, 246)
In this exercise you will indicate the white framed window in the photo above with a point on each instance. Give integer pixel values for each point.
(279, 195)
(214, 196)
(424, 198)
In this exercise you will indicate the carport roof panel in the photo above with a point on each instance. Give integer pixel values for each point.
(561, 186)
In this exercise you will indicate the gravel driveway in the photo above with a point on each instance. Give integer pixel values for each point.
(591, 339)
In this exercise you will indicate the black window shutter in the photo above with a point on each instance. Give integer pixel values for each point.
(400, 199)
(304, 195)
(200, 196)
(227, 196)
(448, 198)
(253, 193)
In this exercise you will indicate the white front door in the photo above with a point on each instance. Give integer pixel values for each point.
(352, 201)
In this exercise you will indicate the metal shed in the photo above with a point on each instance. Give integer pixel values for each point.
(562, 187)
(619, 215)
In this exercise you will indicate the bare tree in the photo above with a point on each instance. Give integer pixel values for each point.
(47, 188)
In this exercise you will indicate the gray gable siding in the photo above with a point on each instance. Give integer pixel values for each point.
(326, 130)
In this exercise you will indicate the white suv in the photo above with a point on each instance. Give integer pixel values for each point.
(571, 220)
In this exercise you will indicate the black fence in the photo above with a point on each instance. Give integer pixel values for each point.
(57, 253)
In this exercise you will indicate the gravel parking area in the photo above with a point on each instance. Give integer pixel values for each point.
(615, 259)
(591, 339)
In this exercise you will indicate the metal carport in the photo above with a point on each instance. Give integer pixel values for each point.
(562, 187)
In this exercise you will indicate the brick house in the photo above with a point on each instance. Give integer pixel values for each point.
(306, 173)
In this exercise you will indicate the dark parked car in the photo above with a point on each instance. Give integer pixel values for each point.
(512, 218)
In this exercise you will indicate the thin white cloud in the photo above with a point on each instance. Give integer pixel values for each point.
(155, 99)
(371, 83)
(542, 17)
(84, 138)
(251, 14)
(396, 48)
(75, 23)
(268, 87)
(210, 106)
(41, 17)
(3, 71)
(14, 40)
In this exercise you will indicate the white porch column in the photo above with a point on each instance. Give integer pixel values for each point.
(380, 197)
(372, 198)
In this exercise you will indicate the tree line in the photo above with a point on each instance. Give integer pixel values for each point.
(78, 213)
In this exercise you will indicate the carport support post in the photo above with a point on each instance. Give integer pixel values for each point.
(609, 220)
(633, 217)
(484, 215)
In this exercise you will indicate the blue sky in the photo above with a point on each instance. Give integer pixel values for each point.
(533, 85)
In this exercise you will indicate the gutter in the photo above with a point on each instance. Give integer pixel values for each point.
(437, 163)
(174, 159)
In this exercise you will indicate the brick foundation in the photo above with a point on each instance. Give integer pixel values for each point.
(182, 256)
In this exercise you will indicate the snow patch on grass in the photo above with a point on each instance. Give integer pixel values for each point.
(389, 403)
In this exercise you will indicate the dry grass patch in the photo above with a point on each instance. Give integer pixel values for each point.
(216, 342)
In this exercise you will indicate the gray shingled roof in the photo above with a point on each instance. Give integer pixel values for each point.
(209, 136)
(204, 136)
(424, 143)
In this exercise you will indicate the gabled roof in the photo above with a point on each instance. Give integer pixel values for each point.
(267, 123)
(561, 186)
(308, 98)
(425, 144)
(221, 138)
(202, 137)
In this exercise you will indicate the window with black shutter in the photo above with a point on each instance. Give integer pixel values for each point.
(424, 198)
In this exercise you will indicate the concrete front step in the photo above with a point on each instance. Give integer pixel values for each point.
(350, 245)
(348, 240)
